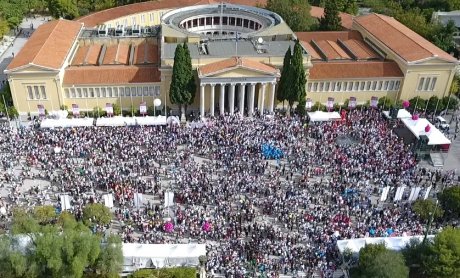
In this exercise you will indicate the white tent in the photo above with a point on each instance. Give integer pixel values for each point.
(161, 255)
(321, 116)
(148, 120)
(402, 114)
(417, 127)
(392, 243)
(75, 122)
(131, 121)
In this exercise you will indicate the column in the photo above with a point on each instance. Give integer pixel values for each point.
(241, 98)
(262, 99)
(232, 98)
(211, 109)
(251, 99)
(222, 99)
(202, 86)
(272, 97)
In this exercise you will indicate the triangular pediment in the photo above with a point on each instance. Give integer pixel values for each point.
(236, 67)
(31, 68)
(240, 72)
(433, 60)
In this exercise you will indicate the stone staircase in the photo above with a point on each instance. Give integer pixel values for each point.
(437, 159)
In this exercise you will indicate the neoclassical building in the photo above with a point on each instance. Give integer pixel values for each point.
(125, 55)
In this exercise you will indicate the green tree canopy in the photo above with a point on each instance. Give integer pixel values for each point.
(296, 13)
(450, 201)
(443, 258)
(96, 214)
(425, 209)
(183, 87)
(331, 20)
(368, 253)
(284, 83)
(387, 264)
(297, 77)
(63, 8)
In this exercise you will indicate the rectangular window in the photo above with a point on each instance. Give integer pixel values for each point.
(37, 92)
(368, 85)
(74, 95)
(121, 91)
(42, 89)
(91, 92)
(433, 83)
(157, 91)
(427, 84)
(332, 86)
(142, 18)
(420, 83)
(146, 91)
(133, 20)
(362, 86)
(152, 91)
(67, 94)
(345, 86)
(397, 84)
(115, 91)
(374, 85)
(385, 85)
(139, 91)
(309, 87)
(29, 91)
(98, 92)
(355, 86)
(326, 86)
(85, 92)
(151, 17)
(392, 85)
(379, 86)
(79, 92)
(350, 86)
(127, 92)
(133, 91)
(315, 87)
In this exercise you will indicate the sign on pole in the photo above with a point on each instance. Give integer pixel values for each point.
(75, 110)
(143, 108)
(352, 103)
(374, 101)
(169, 199)
(108, 200)
(308, 104)
(330, 103)
(109, 109)
(41, 110)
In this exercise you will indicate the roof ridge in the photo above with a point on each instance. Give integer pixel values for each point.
(385, 17)
(43, 45)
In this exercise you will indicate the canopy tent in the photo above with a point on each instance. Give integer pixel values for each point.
(161, 255)
(75, 122)
(392, 243)
(321, 116)
(417, 127)
(402, 114)
(131, 121)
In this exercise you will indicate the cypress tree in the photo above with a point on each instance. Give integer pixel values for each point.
(178, 77)
(331, 20)
(283, 85)
(190, 85)
(297, 92)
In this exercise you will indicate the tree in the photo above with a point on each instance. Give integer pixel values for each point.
(96, 214)
(368, 253)
(425, 209)
(455, 85)
(417, 103)
(331, 21)
(190, 84)
(386, 102)
(63, 8)
(414, 252)
(444, 255)
(110, 262)
(98, 112)
(284, 84)
(349, 7)
(443, 36)
(116, 109)
(45, 214)
(387, 264)
(296, 13)
(12, 112)
(297, 77)
(450, 201)
(182, 88)
(99, 5)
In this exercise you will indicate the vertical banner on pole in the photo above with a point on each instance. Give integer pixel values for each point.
(374, 101)
(169, 199)
(401, 193)
(41, 110)
(75, 110)
(427, 193)
(412, 193)
(109, 109)
(397, 194)
(384, 194)
(137, 199)
(352, 103)
(143, 108)
(309, 104)
(330, 103)
(417, 192)
(65, 202)
(108, 200)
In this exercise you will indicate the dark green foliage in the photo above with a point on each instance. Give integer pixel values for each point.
(296, 77)
(331, 20)
(296, 13)
(377, 261)
(425, 209)
(174, 272)
(96, 214)
(183, 86)
(450, 201)
(284, 83)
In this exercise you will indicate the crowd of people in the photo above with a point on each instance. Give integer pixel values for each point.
(280, 216)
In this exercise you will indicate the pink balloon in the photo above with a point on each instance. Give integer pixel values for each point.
(415, 117)
(427, 128)
(405, 104)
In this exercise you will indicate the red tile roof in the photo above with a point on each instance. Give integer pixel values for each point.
(407, 44)
(235, 62)
(114, 74)
(48, 46)
(100, 17)
(354, 69)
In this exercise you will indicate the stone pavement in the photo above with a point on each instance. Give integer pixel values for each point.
(13, 44)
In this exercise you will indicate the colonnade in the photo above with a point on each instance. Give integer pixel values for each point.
(263, 94)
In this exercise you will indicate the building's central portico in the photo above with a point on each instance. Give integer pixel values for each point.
(242, 85)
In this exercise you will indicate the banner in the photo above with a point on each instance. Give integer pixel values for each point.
(352, 103)
(417, 192)
(374, 101)
(109, 109)
(137, 199)
(384, 194)
(330, 103)
(41, 110)
(411, 195)
(427, 193)
(143, 108)
(75, 110)
(169, 199)
(65, 202)
(108, 200)
(308, 104)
